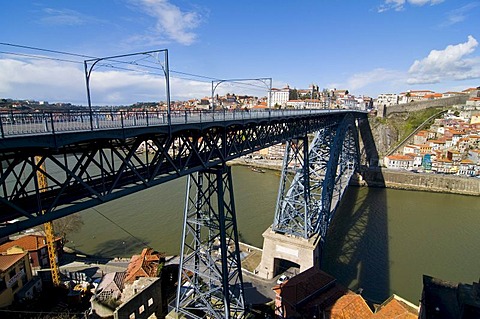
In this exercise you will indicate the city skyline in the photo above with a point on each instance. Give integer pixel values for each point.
(369, 47)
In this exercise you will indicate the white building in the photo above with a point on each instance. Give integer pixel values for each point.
(387, 99)
(399, 161)
(279, 97)
(296, 104)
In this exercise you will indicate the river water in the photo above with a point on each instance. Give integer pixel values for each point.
(381, 240)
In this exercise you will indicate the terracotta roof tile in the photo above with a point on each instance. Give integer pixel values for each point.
(400, 157)
(6, 261)
(29, 242)
(350, 306)
(396, 307)
(144, 265)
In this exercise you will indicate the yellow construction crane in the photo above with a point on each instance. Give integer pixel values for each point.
(52, 254)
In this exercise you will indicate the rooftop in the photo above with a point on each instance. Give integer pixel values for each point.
(7, 261)
(28, 242)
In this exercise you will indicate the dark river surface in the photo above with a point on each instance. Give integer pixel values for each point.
(381, 240)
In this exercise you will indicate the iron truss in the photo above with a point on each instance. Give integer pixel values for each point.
(90, 168)
(210, 277)
(313, 179)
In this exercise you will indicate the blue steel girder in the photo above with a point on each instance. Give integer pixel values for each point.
(343, 162)
(90, 168)
(309, 183)
(210, 276)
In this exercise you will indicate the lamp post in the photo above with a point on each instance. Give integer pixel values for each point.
(90, 64)
(266, 81)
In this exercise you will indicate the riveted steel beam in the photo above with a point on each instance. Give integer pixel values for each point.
(210, 277)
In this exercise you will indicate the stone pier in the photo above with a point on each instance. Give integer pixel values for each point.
(277, 247)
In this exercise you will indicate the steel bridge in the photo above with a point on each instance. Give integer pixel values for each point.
(94, 157)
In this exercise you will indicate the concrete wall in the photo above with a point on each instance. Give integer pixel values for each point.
(303, 252)
(420, 181)
(385, 111)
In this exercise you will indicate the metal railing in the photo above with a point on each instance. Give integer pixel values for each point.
(23, 123)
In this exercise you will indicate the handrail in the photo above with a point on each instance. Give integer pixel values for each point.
(34, 123)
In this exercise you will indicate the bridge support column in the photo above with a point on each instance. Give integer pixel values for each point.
(314, 178)
(281, 247)
(210, 277)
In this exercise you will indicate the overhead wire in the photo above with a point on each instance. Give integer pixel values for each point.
(120, 62)
(204, 77)
(122, 228)
(39, 57)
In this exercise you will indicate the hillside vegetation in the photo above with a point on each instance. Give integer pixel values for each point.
(388, 132)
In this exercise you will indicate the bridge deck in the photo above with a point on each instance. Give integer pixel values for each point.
(17, 129)
(90, 161)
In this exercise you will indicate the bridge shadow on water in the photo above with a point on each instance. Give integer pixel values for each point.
(125, 247)
(356, 250)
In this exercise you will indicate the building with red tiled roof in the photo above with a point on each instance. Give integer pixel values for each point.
(261, 105)
(111, 286)
(450, 94)
(437, 144)
(433, 96)
(15, 272)
(349, 306)
(474, 92)
(473, 101)
(36, 246)
(143, 265)
(420, 138)
(307, 294)
(399, 161)
(315, 294)
(396, 307)
(353, 306)
(468, 168)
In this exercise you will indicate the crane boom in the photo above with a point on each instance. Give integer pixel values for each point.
(49, 234)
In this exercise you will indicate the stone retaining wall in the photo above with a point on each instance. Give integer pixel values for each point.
(419, 181)
(385, 111)
(397, 179)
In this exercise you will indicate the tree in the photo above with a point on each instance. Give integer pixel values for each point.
(67, 225)
(293, 94)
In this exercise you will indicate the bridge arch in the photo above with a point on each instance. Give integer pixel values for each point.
(313, 180)
(282, 265)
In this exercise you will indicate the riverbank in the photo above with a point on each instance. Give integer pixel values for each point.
(428, 182)
(395, 179)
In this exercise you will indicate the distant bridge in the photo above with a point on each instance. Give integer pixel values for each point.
(95, 157)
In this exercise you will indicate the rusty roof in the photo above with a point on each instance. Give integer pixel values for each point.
(7, 261)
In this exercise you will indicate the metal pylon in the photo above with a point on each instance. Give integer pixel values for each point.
(313, 181)
(210, 277)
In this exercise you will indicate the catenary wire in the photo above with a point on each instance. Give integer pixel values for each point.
(117, 61)
(121, 227)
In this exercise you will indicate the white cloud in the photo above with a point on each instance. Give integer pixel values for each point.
(448, 64)
(54, 81)
(41, 80)
(399, 5)
(460, 14)
(65, 17)
(171, 22)
(380, 75)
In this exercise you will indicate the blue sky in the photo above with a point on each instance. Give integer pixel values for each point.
(368, 47)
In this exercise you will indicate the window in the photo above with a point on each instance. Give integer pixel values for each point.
(150, 302)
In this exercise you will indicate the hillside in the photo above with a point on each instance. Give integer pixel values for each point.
(389, 132)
